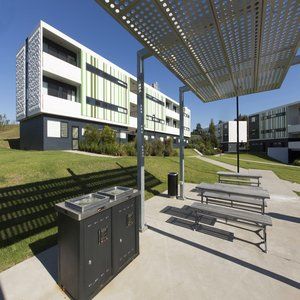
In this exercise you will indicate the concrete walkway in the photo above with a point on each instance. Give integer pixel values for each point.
(262, 162)
(178, 263)
(89, 153)
(278, 188)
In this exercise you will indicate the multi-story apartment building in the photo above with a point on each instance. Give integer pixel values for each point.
(62, 86)
(276, 131)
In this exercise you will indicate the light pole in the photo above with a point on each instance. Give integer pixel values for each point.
(237, 135)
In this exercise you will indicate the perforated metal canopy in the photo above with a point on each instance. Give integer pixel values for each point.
(218, 48)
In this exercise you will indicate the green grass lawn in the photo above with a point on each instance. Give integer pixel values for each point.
(285, 172)
(189, 152)
(31, 182)
(255, 157)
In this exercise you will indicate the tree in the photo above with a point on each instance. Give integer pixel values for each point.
(212, 133)
(198, 130)
(242, 118)
(3, 121)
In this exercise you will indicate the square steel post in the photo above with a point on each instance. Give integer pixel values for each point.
(182, 90)
(141, 56)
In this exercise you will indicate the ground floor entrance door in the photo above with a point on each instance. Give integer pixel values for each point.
(75, 137)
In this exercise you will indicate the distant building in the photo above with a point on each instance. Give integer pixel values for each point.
(62, 86)
(276, 131)
(227, 135)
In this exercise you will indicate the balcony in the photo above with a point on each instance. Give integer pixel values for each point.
(61, 69)
(172, 114)
(61, 107)
(294, 128)
(172, 130)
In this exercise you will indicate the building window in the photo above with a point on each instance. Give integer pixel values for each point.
(174, 108)
(148, 96)
(174, 124)
(59, 89)
(253, 119)
(106, 105)
(133, 110)
(60, 52)
(106, 76)
(168, 121)
(63, 129)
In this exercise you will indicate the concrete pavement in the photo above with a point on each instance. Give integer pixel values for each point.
(179, 263)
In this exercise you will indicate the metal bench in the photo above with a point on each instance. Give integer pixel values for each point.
(215, 196)
(239, 178)
(230, 214)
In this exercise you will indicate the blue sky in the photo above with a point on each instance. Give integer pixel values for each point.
(87, 23)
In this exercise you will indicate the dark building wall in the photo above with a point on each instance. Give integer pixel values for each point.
(263, 145)
(253, 127)
(31, 134)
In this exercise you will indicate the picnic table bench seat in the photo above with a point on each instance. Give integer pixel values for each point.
(262, 221)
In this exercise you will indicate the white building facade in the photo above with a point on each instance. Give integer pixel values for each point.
(62, 86)
(227, 135)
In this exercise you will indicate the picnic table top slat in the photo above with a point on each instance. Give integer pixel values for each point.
(243, 199)
(234, 189)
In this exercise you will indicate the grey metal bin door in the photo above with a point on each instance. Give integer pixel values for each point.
(97, 259)
(124, 235)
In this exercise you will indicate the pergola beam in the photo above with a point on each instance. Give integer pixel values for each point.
(296, 60)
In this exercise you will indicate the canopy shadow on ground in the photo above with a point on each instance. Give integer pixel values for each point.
(230, 258)
(284, 217)
(28, 209)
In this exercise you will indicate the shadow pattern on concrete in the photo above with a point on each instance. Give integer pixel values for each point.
(230, 258)
(284, 217)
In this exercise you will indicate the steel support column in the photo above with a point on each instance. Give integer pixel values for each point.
(141, 56)
(237, 136)
(182, 90)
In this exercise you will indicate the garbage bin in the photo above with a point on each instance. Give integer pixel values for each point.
(173, 184)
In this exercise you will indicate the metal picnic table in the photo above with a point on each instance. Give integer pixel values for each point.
(230, 190)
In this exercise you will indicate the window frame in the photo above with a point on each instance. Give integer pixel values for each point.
(61, 136)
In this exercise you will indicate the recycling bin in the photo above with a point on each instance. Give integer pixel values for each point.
(97, 237)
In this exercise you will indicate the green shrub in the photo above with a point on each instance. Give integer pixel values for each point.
(147, 148)
(168, 147)
(130, 149)
(92, 135)
(157, 148)
(296, 162)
